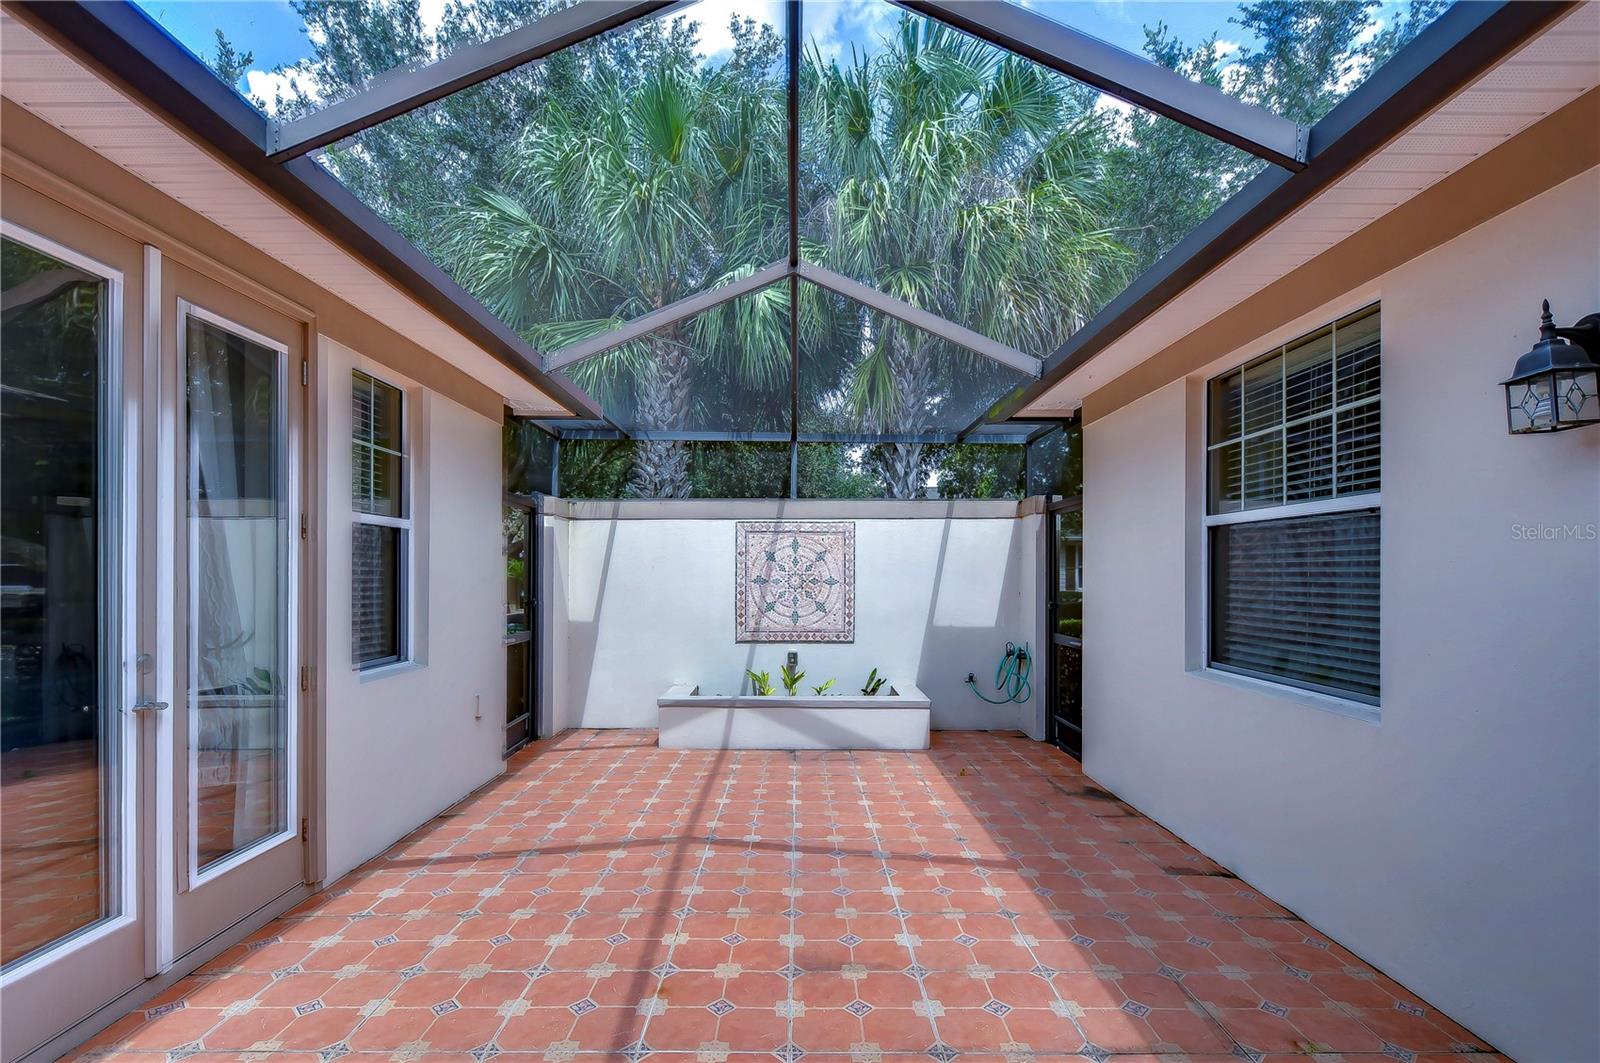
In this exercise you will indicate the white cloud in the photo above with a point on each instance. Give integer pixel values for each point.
(833, 25)
(1104, 103)
(714, 16)
(268, 85)
(431, 12)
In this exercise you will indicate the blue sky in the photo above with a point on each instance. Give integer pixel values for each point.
(275, 35)
(272, 31)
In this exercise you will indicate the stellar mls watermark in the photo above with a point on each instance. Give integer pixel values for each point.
(1551, 533)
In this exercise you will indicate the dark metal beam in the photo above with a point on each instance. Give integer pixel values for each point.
(405, 89)
(1019, 438)
(919, 318)
(671, 314)
(1124, 75)
(792, 31)
(1464, 42)
(675, 436)
(982, 428)
(132, 51)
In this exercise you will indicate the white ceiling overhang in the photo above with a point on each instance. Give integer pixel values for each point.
(1544, 75)
(62, 91)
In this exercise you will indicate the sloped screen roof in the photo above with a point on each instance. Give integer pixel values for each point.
(833, 220)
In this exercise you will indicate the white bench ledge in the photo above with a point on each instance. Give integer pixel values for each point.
(897, 719)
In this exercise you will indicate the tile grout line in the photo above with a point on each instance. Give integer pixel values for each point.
(624, 793)
(914, 968)
(707, 848)
(490, 1047)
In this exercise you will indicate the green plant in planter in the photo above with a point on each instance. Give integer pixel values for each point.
(259, 681)
(761, 683)
(874, 684)
(823, 689)
(790, 679)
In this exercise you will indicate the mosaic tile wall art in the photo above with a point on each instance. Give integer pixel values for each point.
(795, 581)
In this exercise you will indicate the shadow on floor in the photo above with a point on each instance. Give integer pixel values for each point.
(608, 899)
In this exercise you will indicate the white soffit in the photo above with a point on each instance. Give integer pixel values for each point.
(1543, 76)
(63, 92)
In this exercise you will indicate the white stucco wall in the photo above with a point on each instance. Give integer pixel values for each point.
(1454, 843)
(649, 603)
(403, 744)
(551, 709)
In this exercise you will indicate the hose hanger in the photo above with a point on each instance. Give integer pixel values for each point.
(1012, 677)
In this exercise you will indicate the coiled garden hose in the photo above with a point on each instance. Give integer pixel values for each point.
(1011, 678)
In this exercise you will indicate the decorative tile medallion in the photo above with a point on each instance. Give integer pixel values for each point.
(795, 581)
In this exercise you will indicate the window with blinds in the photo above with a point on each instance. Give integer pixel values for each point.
(382, 522)
(1293, 512)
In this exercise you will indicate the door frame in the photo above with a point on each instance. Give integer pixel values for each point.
(61, 213)
(89, 956)
(530, 638)
(1059, 731)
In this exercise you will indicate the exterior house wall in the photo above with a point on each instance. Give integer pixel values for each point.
(380, 756)
(406, 741)
(650, 603)
(386, 754)
(1454, 842)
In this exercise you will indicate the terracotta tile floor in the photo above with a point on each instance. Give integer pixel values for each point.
(50, 834)
(609, 900)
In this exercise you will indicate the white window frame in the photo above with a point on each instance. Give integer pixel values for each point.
(406, 524)
(194, 875)
(1318, 698)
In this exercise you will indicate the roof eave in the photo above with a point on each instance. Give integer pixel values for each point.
(1462, 44)
(122, 44)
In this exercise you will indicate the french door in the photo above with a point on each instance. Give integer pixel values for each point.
(75, 817)
(1064, 721)
(519, 527)
(150, 782)
(235, 718)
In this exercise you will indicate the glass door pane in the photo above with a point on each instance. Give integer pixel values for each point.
(1066, 637)
(517, 526)
(238, 559)
(59, 765)
(1069, 573)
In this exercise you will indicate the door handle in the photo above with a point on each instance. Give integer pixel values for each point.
(149, 705)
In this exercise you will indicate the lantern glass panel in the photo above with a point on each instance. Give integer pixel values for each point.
(1575, 396)
(1528, 405)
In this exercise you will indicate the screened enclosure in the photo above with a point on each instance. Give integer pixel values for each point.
(796, 249)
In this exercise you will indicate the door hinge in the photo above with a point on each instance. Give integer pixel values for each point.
(305, 829)
(304, 524)
(305, 373)
(305, 678)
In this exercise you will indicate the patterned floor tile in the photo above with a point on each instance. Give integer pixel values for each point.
(983, 902)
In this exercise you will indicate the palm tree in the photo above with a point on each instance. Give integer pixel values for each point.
(627, 193)
(941, 170)
(963, 180)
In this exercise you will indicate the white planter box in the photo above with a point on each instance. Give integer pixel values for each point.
(895, 719)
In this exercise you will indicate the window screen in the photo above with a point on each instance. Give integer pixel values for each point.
(1297, 599)
(1293, 450)
(1299, 424)
(382, 522)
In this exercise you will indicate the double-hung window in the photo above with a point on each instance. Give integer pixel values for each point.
(382, 534)
(1292, 514)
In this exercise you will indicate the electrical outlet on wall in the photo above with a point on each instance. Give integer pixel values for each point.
(794, 659)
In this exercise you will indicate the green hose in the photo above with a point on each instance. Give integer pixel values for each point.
(1011, 678)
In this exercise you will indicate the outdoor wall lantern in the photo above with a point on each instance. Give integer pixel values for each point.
(1556, 385)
